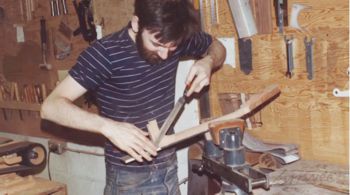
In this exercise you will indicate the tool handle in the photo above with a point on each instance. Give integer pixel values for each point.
(43, 30)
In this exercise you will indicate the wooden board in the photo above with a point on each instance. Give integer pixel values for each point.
(306, 113)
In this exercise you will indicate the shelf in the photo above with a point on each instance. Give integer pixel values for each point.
(20, 105)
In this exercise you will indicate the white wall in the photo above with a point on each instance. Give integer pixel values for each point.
(189, 118)
(85, 174)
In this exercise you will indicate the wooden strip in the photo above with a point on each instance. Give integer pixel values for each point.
(153, 130)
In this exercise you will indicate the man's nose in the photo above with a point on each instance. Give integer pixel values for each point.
(163, 53)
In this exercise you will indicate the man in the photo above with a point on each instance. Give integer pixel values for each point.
(132, 74)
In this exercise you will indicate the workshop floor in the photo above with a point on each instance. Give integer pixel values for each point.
(308, 178)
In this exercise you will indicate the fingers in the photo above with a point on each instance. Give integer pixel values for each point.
(198, 84)
(141, 153)
(145, 142)
(132, 140)
(198, 76)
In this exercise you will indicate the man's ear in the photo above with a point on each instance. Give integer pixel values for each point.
(135, 24)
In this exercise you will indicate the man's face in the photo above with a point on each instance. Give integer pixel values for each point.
(151, 49)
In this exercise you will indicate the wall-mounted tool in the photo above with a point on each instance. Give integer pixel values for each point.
(64, 7)
(58, 10)
(290, 64)
(58, 7)
(245, 55)
(43, 36)
(281, 7)
(228, 162)
(86, 21)
(202, 14)
(52, 8)
(214, 17)
(309, 57)
(243, 18)
(296, 9)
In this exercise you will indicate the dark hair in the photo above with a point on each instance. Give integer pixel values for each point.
(172, 20)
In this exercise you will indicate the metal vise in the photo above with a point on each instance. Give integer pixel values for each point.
(224, 157)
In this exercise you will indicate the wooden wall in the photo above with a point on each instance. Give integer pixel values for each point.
(19, 62)
(306, 113)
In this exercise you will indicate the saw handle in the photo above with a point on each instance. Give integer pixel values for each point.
(43, 35)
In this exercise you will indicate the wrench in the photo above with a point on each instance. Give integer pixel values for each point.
(290, 64)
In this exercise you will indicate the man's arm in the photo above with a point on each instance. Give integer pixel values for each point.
(59, 108)
(201, 70)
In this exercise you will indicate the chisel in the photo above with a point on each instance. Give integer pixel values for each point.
(167, 123)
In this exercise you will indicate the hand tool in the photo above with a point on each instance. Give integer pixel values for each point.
(202, 14)
(296, 9)
(52, 8)
(168, 121)
(43, 36)
(290, 64)
(57, 3)
(18, 99)
(245, 55)
(309, 57)
(64, 7)
(214, 19)
(86, 20)
(281, 8)
(243, 18)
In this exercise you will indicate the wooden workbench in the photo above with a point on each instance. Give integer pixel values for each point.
(308, 178)
(12, 184)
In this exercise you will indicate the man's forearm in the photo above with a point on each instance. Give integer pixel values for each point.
(62, 111)
(217, 53)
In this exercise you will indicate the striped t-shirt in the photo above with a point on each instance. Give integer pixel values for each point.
(127, 88)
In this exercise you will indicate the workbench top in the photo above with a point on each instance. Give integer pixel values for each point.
(308, 178)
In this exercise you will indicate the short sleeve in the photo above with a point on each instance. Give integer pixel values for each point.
(93, 67)
(196, 45)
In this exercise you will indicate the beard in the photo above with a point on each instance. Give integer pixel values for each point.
(149, 56)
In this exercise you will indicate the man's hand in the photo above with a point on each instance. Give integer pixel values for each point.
(199, 75)
(130, 139)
